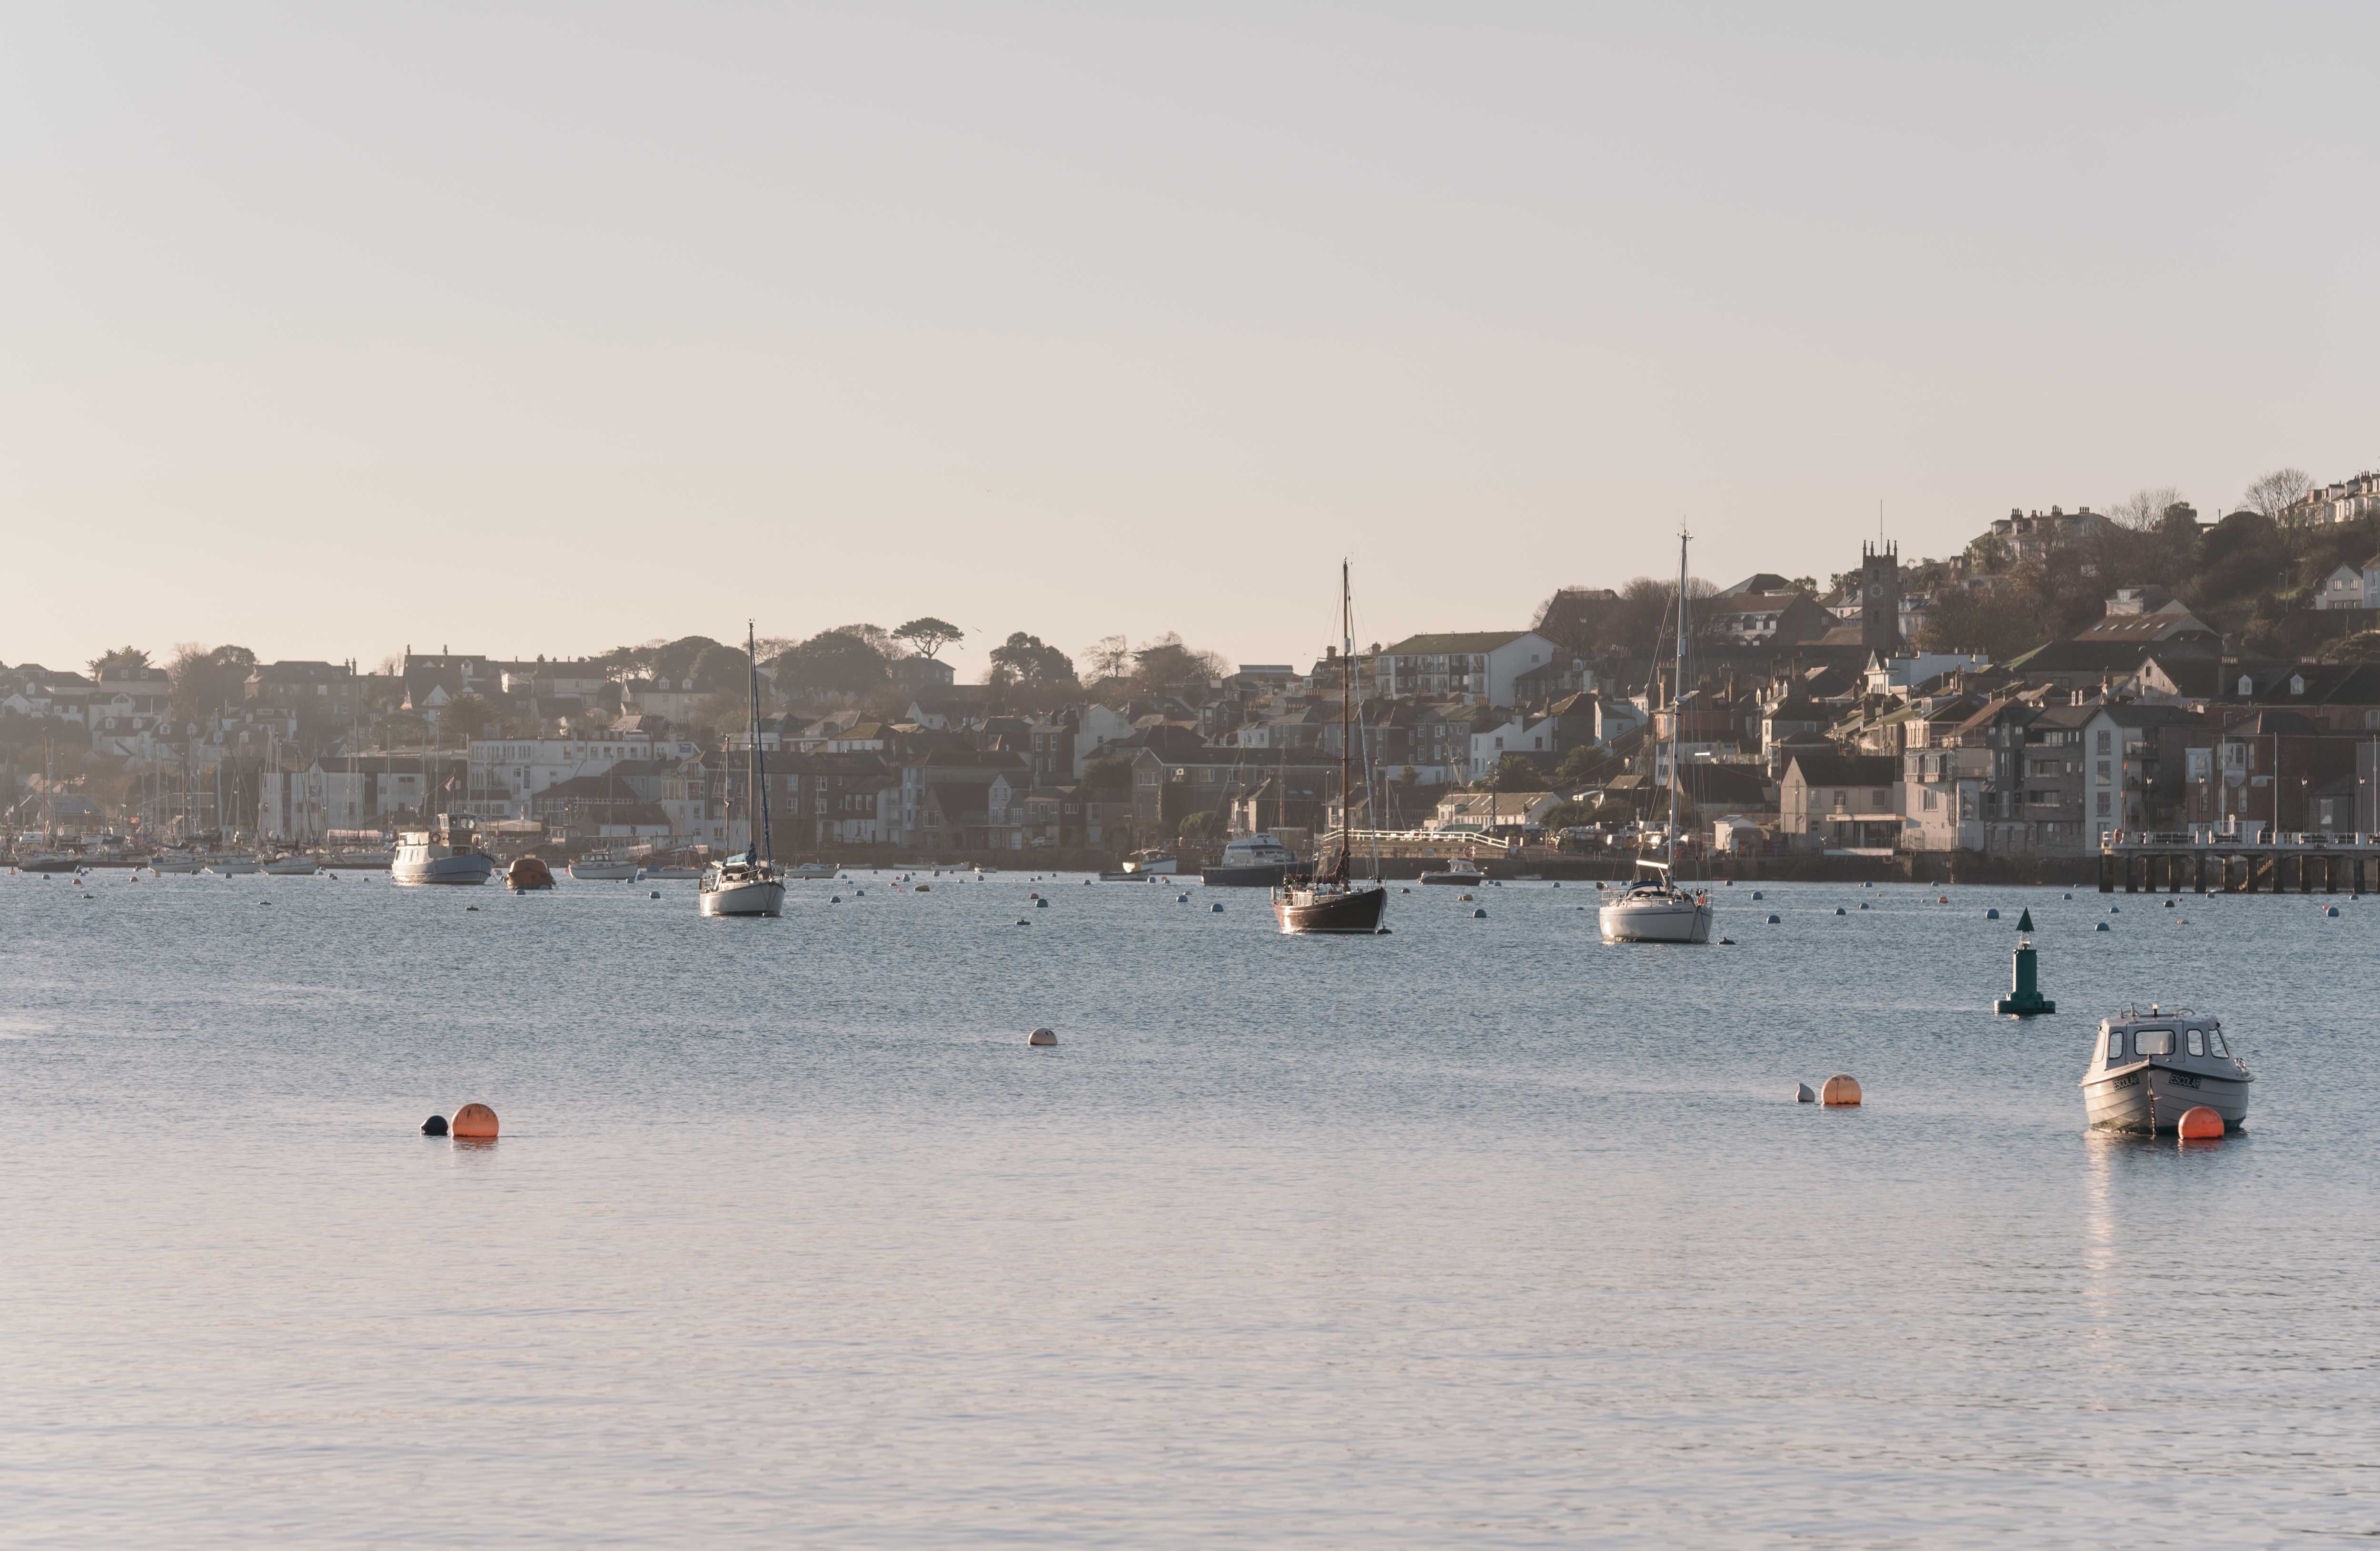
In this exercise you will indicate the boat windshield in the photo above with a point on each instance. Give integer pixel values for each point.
(2153, 1042)
(2115, 1046)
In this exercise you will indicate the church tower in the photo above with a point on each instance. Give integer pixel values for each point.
(1879, 597)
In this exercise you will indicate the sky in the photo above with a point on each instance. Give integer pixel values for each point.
(330, 329)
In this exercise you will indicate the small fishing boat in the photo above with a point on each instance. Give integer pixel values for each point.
(606, 866)
(2148, 1070)
(814, 871)
(233, 864)
(292, 863)
(1156, 864)
(1333, 901)
(1457, 872)
(177, 859)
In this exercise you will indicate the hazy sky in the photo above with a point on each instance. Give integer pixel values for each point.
(522, 329)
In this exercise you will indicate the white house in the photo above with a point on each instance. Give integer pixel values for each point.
(2343, 588)
(1483, 664)
(1522, 734)
(506, 774)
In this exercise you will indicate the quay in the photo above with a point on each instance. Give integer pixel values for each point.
(2206, 861)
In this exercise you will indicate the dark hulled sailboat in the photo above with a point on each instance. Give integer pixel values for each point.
(1330, 900)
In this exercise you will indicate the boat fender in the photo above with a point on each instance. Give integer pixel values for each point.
(1042, 1036)
(1840, 1091)
(1804, 1094)
(434, 1126)
(475, 1121)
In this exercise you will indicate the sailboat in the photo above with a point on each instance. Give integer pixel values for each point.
(50, 858)
(748, 883)
(1330, 900)
(1654, 909)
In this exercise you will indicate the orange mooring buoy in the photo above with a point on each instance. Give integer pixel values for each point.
(1838, 1089)
(475, 1121)
(2200, 1123)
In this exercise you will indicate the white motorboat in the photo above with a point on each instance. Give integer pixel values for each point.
(1464, 872)
(447, 853)
(292, 863)
(1156, 864)
(813, 871)
(605, 866)
(1653, 908)
(750, 883)
(1250, 862)
(2148, 1070)
(175, 858)
(233, 864)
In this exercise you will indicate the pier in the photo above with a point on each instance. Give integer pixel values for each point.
(2205, 862)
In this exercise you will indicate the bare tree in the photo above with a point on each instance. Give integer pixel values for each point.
(2144, 508)
(1110, 657)
(2277, 493)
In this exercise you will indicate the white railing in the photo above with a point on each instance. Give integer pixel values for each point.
(2284, 839)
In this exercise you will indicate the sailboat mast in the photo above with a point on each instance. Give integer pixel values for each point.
(1677, 704)
(756, 766)
(1346, 706)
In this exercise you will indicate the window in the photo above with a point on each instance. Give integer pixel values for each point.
(2197, 1043)
(2103, 741)
(2104, 808)
(2115, 1046)
(2215, 1044)
(2153, 1042)
(1933, 800)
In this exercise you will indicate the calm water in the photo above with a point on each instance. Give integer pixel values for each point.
(1481, 1233)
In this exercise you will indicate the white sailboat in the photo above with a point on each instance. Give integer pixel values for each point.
(1653, 908)
(749, 883)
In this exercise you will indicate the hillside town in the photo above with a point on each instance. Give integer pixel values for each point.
(2070, 676)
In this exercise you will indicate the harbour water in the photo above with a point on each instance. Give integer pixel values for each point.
(1480, 1233)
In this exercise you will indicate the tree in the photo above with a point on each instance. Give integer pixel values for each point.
(1567, 816)
(1165, 666)
(466, 716)
(833, 662)
(1026, 667)
(204, 679)
(926, 635)
(122, 660)
(1108, 658)
(877, 637)
(1204, 825)
(673, 661)
(718, 669)
(1513, 772)
(2277, 492)
(1999, 623)
(1582, 765)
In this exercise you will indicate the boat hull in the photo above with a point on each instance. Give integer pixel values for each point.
(1259, 876)
(1354, 913)
(758, 898)
(48, 864)
(293, 866)
(467, 869)
(2153, 1099)
(1685, 921)
(175, 864)
(233, 868)
(1462, 879)
(604, 872)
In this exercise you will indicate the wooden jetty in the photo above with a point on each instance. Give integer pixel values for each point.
(2212, 862)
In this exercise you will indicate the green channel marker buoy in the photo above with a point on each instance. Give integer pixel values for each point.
(2024, 998)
